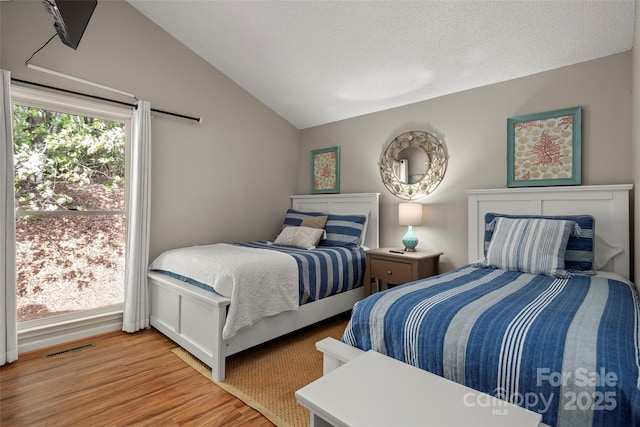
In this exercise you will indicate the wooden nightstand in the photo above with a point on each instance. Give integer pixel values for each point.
(398, 268)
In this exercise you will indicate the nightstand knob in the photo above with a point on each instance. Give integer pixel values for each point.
(389, 272)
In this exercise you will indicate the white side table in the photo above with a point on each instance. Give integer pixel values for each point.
(376, 390)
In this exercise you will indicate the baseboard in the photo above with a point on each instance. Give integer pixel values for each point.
(59, 333)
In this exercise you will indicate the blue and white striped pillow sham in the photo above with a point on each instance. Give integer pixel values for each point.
(341, 229)
(344, 230)
(580, 253)
(294, 218)
(530, 245)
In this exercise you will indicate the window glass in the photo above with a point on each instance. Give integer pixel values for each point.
(68, 263)
(69, 162)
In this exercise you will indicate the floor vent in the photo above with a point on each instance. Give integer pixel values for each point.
(68, 350)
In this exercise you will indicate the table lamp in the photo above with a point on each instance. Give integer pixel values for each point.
(410, 214)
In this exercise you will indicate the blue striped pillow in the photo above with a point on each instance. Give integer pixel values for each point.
(579, 255)
(344, 230)
(294, 218)
(530, 245)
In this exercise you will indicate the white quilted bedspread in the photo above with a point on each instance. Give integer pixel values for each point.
(258, 282)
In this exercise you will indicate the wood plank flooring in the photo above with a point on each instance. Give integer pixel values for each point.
(124, 380)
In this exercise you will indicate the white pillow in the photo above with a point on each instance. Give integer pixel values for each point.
(299, 237)
(604, 252)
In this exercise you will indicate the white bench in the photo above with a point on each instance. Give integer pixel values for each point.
(376, 390)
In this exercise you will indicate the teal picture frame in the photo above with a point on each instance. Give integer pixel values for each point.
(325, 170)
(545, 149)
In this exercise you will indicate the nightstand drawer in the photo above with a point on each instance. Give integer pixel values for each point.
(392, 272)
(391, 267)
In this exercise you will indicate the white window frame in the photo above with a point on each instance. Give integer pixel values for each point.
(38, 333)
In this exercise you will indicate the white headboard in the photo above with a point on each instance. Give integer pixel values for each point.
(608, 204)
(345, 204)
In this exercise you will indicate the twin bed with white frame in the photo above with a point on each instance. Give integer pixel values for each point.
(194, 318)
(608, 204)
(568, 338)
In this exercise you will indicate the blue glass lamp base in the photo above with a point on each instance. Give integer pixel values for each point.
(410, 240)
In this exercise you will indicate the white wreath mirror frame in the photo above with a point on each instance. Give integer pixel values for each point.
(395, 173)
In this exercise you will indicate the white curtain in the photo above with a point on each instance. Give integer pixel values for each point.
(136, 298)
(8, 299)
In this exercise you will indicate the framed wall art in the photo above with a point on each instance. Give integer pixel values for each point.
(325, 170)
(544, 149)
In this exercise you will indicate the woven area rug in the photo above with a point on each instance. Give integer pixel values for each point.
(266, 377)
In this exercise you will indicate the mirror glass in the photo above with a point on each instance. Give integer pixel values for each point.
(413, 164)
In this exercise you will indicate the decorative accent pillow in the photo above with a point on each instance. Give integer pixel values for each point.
(579, 256)
(299, 237)
(315, 222)
(530, 245)
(344, 230)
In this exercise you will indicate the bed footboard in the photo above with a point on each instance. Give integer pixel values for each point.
(194, 319)
(335, 353)
(191, 317)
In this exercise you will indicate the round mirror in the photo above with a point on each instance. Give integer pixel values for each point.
(413, 164)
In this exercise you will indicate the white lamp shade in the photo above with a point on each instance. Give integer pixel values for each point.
(410, 213)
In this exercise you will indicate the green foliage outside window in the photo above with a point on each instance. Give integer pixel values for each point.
(53, 150)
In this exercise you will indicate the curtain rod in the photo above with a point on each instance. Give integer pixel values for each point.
(79, 80)
(128, 104)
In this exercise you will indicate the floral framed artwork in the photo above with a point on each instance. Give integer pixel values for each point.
(325, 170)
(544, 149)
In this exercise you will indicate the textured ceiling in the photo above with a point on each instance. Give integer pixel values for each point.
(316, 62)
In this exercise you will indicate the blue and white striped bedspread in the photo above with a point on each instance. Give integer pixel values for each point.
(566, 348)
(324, 271)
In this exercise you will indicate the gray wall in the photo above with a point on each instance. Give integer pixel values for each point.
(227, 179)
(472, 124)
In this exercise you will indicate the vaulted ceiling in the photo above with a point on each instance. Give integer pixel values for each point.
(315, 62)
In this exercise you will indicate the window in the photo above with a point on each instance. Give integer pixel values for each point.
(70, 157)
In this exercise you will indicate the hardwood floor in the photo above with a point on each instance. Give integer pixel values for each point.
(124, 380)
